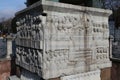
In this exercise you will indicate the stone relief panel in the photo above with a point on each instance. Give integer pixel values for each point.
(29, 41)
(30, 31)
(101, 41)
(30, 59)
(64, 43)
(66, 31)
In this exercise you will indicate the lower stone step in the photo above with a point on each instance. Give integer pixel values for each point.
(92, 75)
(13, 78)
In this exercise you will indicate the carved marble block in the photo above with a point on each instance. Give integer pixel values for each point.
(56, 39)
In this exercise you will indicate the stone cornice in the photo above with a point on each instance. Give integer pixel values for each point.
(63, 7)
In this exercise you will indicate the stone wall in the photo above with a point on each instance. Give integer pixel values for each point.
(5, 69)
(57, 40)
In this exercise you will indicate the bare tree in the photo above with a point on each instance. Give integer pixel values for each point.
(5, 25)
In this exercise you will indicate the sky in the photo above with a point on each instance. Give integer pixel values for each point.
(8, 8)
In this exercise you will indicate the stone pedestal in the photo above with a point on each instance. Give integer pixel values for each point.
(9, 47)
(56, 40)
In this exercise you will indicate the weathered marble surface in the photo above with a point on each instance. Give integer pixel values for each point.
(56, 39)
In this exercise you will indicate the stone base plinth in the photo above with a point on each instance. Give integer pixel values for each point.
(103, 74)
(115, 75)
(106, 74)
(27, 75)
